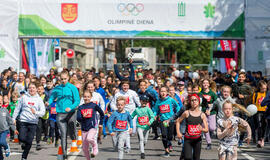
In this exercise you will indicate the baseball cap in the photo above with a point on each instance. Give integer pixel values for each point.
(144, 98)
(181, 83)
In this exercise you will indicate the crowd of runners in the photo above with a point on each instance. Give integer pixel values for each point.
(169, 105)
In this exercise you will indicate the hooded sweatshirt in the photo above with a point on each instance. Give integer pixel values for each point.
(5, 120)
(26, 102)
(166, 108)
(67, 97)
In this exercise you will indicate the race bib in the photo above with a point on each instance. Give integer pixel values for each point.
(127, 100)
(31, 103)
(143, 120)
(207, 97)
(53, 110)
(260, 100)
(193, 130)
(87, 113)
(121, 124)
(165, 108)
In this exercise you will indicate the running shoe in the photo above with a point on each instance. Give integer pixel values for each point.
(167, 154)
(56, 144)
(170, 148)
(49, 141)
(179, 141)
(259, 145)
(7, 151)
(209, 147)
(142, 156)
(38, 147)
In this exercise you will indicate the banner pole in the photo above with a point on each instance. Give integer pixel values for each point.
(132, 43)
(20, 54)
(211, 55)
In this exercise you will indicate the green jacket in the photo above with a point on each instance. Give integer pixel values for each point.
(11, 107)
(210, 97)
(143, 113)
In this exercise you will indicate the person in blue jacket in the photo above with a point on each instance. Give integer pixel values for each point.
(118, 126)
(266, 102)
(166, 107)
(67, 100)
(54, 134)
(130, 76)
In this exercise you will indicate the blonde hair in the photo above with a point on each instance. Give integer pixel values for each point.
(223, 87)
(121, 98)
(227, 102)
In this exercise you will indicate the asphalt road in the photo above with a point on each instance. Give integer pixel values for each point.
(153, 151)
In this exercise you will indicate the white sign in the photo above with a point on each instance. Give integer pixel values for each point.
(9, 54)
(257, 35)
(130, 18)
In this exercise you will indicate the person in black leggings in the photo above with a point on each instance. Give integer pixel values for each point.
(195, 119)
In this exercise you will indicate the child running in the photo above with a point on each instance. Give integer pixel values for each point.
(118, 125)
(195, 119)
(54, 134)
(228, 132)
(87, 116)
(11, 107)
(145, 117)
(5, 123)
(166, 107)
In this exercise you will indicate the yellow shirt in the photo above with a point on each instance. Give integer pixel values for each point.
(259, 99)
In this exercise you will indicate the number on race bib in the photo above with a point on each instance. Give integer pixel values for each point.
(121, 124)
(143, 120)
(165, 108)
(53, 110)
(193, 130)
(87, 113)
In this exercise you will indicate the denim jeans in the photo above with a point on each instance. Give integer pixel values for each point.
(26, 136)
(3, 142)
(54, 130)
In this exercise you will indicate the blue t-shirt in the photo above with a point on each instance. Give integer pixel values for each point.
(119, 121)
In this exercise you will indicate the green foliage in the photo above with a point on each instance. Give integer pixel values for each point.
(188, 51)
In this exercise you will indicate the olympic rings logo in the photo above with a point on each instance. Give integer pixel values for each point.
(130, 8)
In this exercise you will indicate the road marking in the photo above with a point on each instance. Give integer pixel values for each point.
(15, 153)
(245, 155)
(72, 156)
